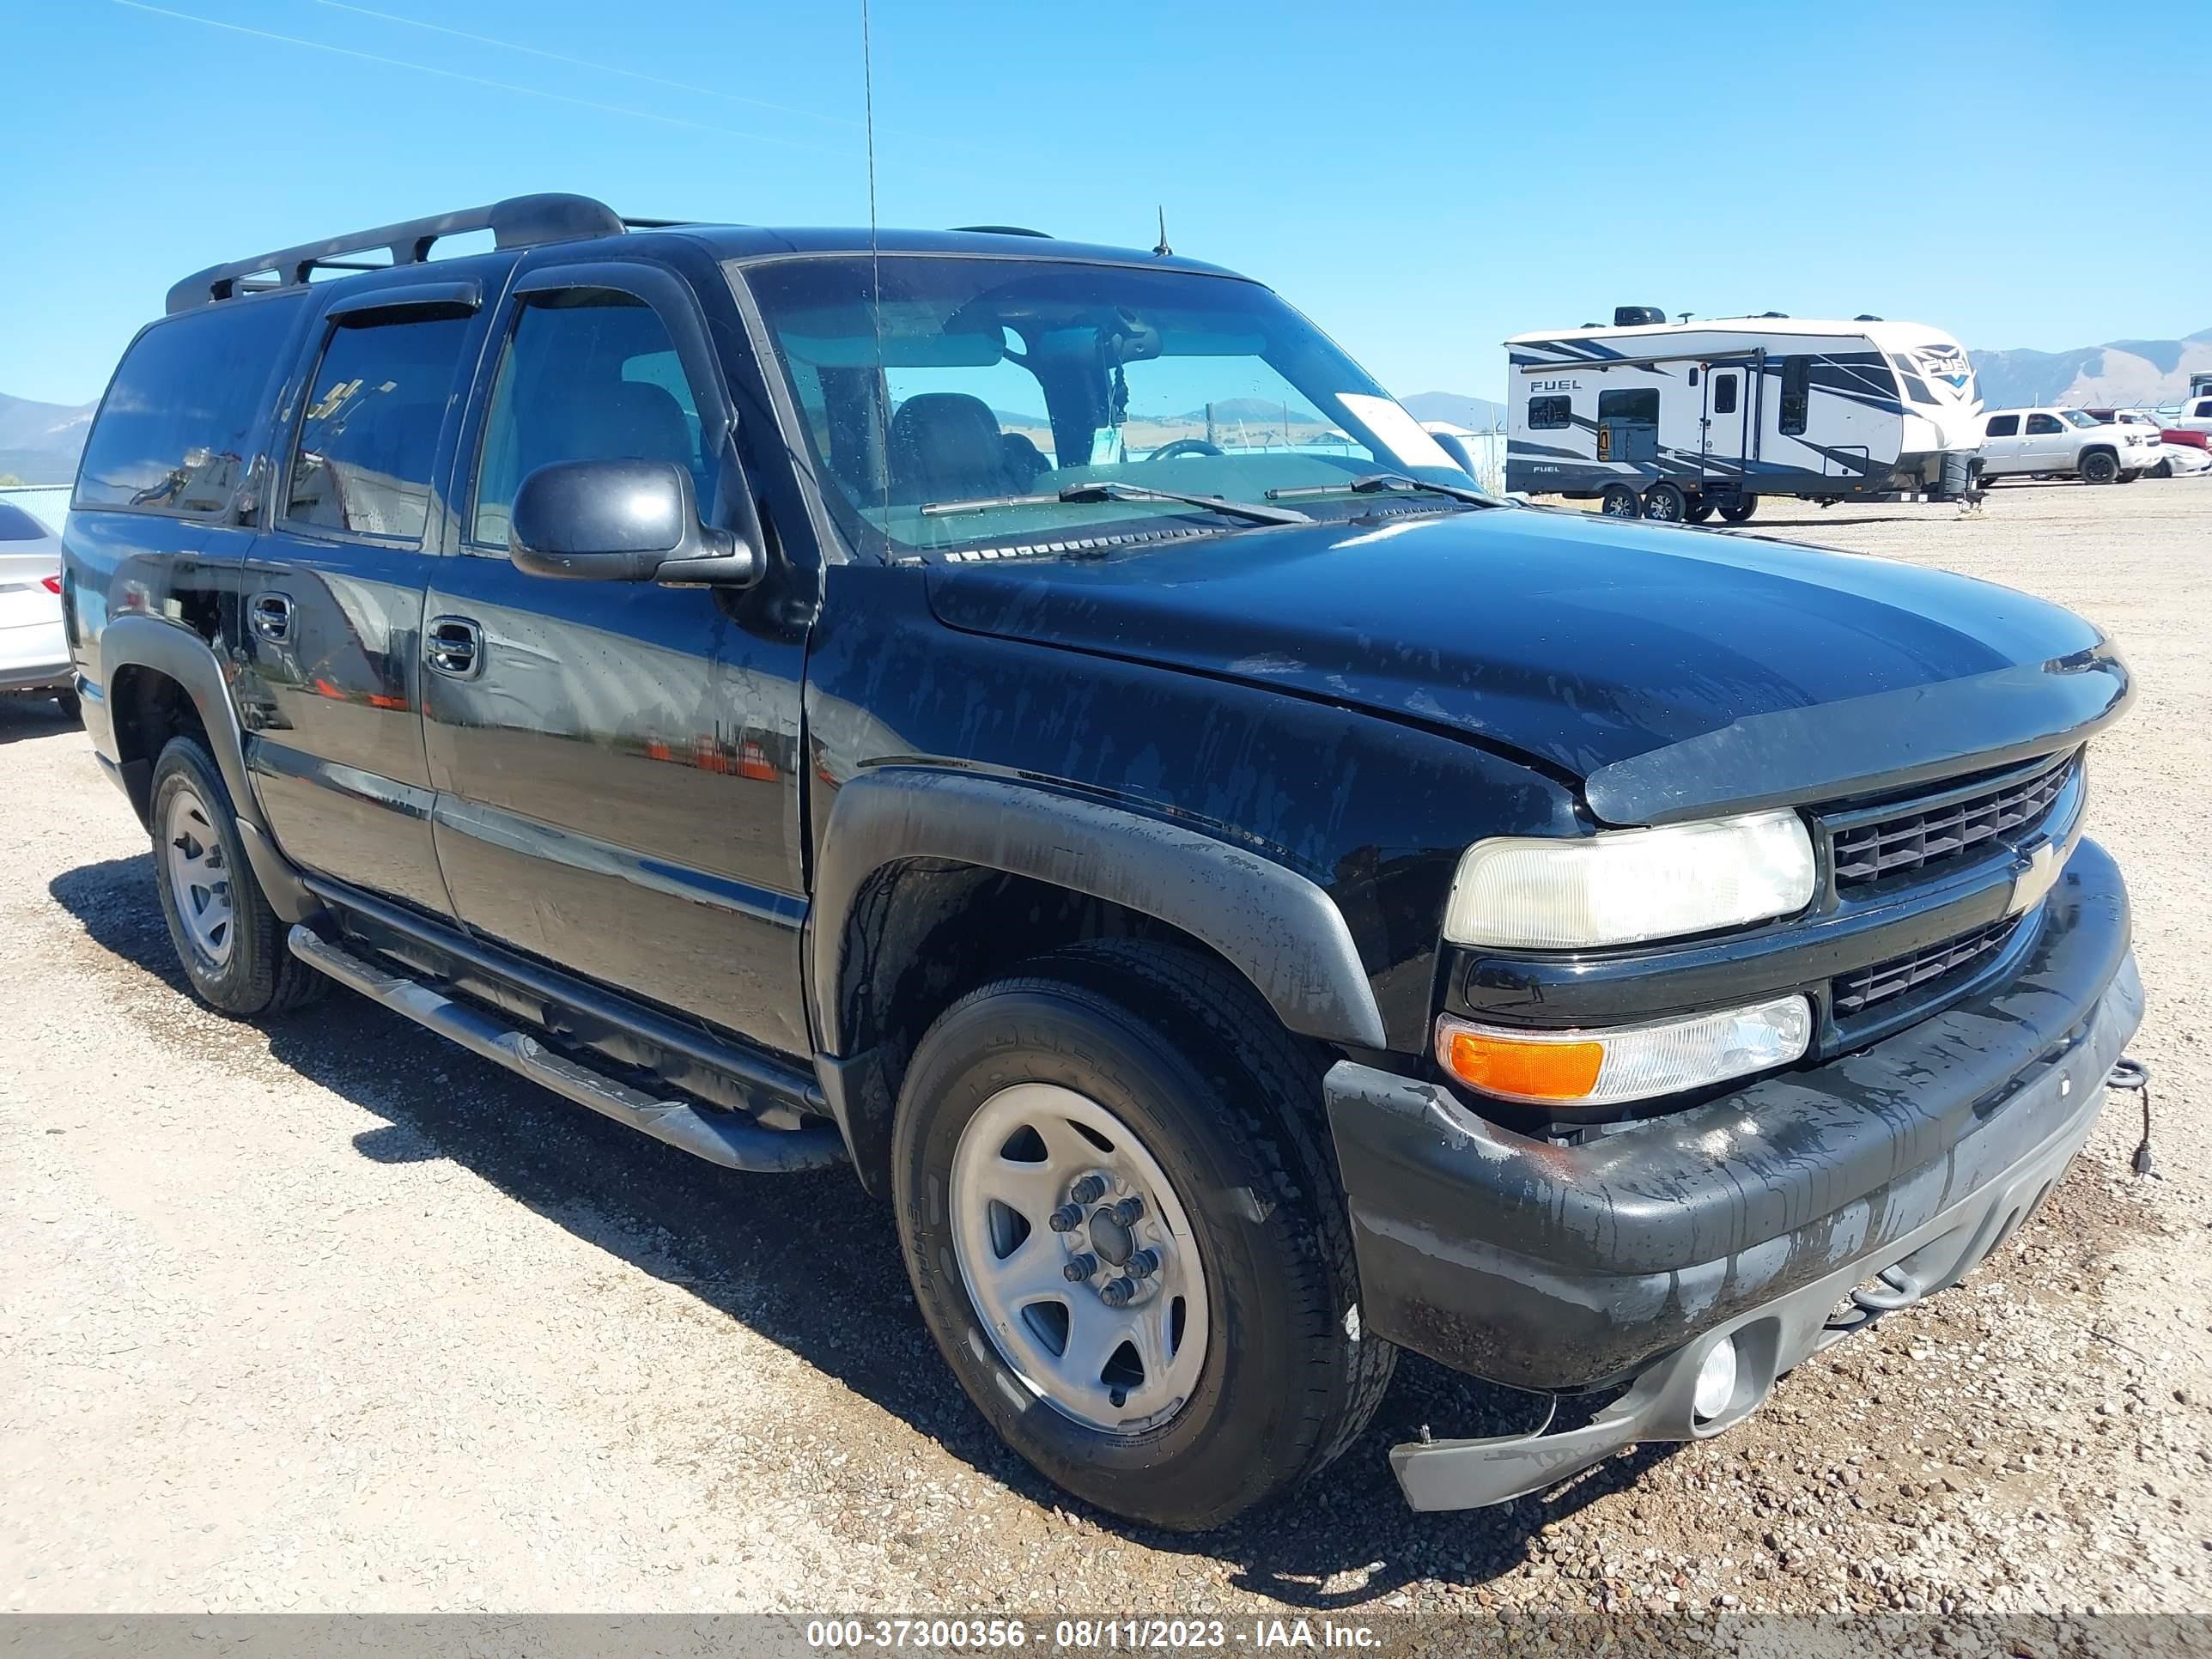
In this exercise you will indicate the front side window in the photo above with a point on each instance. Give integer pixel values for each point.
(587, 374)
(2003, 426)
(1550, 413)
(1796, 402)
(2079, 417)
(172, 432)
(362, 463)
(2043, 425)
(958, 402)
(1725, 394)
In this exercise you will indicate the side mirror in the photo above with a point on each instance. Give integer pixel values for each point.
(621, 521)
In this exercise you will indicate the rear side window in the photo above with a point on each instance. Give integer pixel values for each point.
(1796, 394)
(2003, 426)
(173, 434)
(17, 526)
(2041, 424)
(362, 463)
(1723, 394)
(1550, 413)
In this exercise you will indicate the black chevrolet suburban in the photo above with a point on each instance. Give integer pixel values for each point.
(1037, 724)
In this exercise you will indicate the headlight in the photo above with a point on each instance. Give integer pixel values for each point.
(1541, 893)
(1605, 1068)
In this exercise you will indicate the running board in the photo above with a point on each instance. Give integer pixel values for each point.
(727, 1139)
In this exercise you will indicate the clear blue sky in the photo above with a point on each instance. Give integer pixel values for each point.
(1422, 179)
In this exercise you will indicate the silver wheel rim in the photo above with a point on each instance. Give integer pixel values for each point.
(1662, 508)
(199, 881)
(1079, 1258)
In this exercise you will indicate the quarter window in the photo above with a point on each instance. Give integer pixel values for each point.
(1723, 394)
(2039, 425)
(1550, 413)
(173, 431)
(1796, 394)
(2003, 426)
(588, 374)
(378, 397)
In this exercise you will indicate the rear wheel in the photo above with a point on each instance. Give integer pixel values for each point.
(1665, 502)
(230, 942)
(1126, 1234)
(2100, 467)
(1699, 509)
(1737, 508)
(71, 706)
(1620, 501)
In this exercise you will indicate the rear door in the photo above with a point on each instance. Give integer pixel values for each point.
(2001, 445)
(617, 764)
(333, 596)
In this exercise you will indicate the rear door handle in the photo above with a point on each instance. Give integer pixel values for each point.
(454, 646)
(272, 617)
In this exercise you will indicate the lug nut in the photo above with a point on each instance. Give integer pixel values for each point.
(1116, 1292)
(1143, 1264)
(1088, 1190)
(1067, 1218)
(1128, 1210)
(1080, 1267)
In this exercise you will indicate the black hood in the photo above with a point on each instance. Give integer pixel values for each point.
(1671, 672)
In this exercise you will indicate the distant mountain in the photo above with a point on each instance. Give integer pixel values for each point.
(39, 442)
(1475, 414)
(2120, 371)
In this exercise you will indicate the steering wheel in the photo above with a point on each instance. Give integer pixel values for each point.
(1184, 447)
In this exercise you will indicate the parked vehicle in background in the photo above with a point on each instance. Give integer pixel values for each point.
(2063, 443)
(1242, 908)
(1668, 421)
(2195, 414)
(2179, 452)
(34, 655)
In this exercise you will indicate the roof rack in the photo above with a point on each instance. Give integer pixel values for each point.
(1002, 230)
(519, 221)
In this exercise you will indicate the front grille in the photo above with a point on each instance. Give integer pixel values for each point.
(1948, 962)
(1911, 837)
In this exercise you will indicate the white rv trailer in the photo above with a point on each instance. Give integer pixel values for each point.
(1679, 420)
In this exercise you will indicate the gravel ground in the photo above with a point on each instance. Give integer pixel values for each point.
(331, 1316)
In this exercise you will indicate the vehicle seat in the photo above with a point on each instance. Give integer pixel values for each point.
(637, 421)
(946, 447)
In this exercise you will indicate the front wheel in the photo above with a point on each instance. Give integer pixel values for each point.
(2100, 469)
(1620, 501)
(1127, 1237)
(1665, 502)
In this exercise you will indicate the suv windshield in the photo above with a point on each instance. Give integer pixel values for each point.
(960, 411)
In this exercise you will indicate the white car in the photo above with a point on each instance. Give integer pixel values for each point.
(2196, 415)
(2064, 443)
(34, 655)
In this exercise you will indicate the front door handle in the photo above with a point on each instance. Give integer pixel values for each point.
(454, 646)
(272, 617)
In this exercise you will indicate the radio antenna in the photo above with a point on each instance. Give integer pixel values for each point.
(1163, 249)
(876, 267)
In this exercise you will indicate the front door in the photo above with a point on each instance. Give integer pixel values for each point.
(331, 596)
(617, 764)
(1726, 426)
(2045, 445)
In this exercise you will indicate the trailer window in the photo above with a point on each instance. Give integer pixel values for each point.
(1796, 394)
(1723, 394)
(1550, 413)
(1641, 405)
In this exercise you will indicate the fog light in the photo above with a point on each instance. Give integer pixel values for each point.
(1715, 1382)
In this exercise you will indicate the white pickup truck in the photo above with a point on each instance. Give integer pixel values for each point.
(2059, 443)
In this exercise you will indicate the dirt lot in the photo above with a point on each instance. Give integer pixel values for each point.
(332, 1317)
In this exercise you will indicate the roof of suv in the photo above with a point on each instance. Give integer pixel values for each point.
(578, 222)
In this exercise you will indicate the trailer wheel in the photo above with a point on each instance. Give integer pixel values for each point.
(1620, 501)
(1665, 502)
(2100, 466)
(1699, 509)
(1737, 508)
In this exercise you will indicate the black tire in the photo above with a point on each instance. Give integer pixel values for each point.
(1184, 1052)
(1665, 503)
(1620, 501)
(257, 975)
(2100, 466)
(71, 706)
(1737, 508)
(2163, 470)
(2129, 478)
(1699, 509)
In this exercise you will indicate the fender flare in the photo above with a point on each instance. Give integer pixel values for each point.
(1276, 926)
(144, 641)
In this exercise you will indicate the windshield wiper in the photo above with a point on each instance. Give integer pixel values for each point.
(1374, 483)
(1105, 490)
